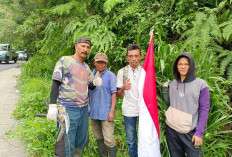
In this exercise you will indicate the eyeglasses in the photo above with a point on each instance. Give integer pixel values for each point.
(186, 64)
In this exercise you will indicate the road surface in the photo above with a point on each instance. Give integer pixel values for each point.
(11, 64)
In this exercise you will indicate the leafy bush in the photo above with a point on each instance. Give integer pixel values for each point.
(39, 135)
(33, 91)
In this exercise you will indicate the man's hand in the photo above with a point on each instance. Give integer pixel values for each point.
(97, 81)
(165, 85)
(197, 141)
(127, 85)
(111, 116)
(52, 112)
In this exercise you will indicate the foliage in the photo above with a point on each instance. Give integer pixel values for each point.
(227, 30)
(226, 63)
(8, 26)
(39, 134)
(48, 30)
(217, 136)
(207, 33)
(32, 93)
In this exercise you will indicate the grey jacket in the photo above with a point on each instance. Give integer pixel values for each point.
(189, 101)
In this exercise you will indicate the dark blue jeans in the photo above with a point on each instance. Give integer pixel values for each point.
(131, 135)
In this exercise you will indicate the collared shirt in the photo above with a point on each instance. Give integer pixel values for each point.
(100, 97)
(74, 77)
(130, 99)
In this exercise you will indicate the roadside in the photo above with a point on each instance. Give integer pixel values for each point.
(9, 97)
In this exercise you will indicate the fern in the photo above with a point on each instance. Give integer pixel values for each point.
(64, 8)
(97, 30)
(109, 4)
(222, 5)
(226, 63)
(118, 19)
(106, 40)
(223, 54)
(71, 26)
(204, 30)
(227, 30)
(93, 22)
(229, 73)
(50, 33)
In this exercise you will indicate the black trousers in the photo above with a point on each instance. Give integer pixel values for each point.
(180, 145)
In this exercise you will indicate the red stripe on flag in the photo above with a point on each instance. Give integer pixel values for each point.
(149, 90)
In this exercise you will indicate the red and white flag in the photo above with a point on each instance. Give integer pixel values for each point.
(148, 137)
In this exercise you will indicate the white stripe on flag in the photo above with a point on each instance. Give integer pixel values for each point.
(148, 140)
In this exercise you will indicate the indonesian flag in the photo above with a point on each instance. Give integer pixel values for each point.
(148, 138)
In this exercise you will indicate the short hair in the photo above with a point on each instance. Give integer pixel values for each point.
(133, 47)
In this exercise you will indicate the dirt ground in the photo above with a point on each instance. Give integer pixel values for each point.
(9, 147)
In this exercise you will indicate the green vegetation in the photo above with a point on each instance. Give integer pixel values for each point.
(48, 29)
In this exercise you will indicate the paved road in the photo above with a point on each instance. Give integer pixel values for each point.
(8, 99)
(5, 66)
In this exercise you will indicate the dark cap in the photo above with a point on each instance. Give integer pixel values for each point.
(83, 40)
(101, 57)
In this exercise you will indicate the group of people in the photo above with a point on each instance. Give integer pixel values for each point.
(83, 94)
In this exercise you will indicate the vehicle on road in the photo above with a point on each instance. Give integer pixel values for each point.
(6, 54)
(22, 55)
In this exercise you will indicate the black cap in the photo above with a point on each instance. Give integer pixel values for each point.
(83, 40)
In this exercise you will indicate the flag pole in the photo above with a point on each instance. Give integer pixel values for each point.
(151, 34)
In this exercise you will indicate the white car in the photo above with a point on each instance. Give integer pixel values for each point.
(22, 55)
